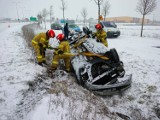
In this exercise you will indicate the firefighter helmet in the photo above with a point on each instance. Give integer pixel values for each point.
(51, 33)
(98, 26)
(60, 37)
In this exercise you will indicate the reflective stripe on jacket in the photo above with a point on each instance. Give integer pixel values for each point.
(40, 38)
(63, 46)
(102, 36)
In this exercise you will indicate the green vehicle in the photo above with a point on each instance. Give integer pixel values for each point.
(73, 28)
(56, 26)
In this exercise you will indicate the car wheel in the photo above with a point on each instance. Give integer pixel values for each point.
(114, 55)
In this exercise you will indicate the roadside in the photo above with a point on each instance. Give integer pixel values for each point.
(16, 69)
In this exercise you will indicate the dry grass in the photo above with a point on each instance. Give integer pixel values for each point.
(152, 88)
(28, 33)
(157, 110)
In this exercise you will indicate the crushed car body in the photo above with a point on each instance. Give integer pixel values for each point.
(96, 67)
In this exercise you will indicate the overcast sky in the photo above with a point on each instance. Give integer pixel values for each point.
(28, 8)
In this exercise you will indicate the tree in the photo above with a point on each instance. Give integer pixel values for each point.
(45, 13)
(63, 7)
(51, 13)
(105, 9)
(39, 16)
(84, 14)
(99, 2)
(145, 7)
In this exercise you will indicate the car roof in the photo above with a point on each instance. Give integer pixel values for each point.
(73, 25)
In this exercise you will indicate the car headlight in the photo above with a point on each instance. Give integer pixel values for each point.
(108, 30)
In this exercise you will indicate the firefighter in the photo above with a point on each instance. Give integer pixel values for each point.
(62, 52)
(101, 35)
(40, 43)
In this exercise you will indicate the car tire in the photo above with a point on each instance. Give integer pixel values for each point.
(114, 55)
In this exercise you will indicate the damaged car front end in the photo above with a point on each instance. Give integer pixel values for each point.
(97, 68)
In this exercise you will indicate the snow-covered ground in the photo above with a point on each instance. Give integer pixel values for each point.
(149, 31)
(28, 93)
(15, 68)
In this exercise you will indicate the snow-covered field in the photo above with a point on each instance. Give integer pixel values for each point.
(149, 31)
(28, 93)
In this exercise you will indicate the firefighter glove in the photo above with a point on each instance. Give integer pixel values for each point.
(40, 63)
(93, 36)
(40, 45)
(60, 52)
(98, 40)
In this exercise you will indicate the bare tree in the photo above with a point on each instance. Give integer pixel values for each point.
(145, 7)
(84, 14)
(39, 16)
(45, 13)
(99, 2)
(63, 7)
(51, 13)
(105, 9)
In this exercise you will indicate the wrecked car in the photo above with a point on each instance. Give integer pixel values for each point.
(96, 67)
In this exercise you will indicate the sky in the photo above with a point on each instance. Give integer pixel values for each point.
(27, 8)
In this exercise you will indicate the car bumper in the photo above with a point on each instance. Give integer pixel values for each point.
(113, 34)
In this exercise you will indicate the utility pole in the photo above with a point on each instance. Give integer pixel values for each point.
(77, 18)
(51, 13)
(153, 19)
(17, 9)
(22, 13)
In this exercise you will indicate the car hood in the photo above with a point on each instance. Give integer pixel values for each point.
(77, 29)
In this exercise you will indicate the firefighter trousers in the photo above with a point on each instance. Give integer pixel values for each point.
(66, 59)
(40, 54)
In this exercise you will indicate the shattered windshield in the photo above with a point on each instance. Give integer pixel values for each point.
(109, 24)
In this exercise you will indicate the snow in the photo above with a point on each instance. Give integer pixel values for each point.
(67, 100)
(149, 31)
(142, 59)
(15, 69)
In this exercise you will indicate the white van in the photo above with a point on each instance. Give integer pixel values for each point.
(109, 27)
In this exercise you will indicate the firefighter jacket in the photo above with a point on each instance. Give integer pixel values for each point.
(63, 47)
(102, 37)
(40, 43)
(40, 40)
(63, 52)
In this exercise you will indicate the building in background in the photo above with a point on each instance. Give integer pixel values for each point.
(126, 19)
